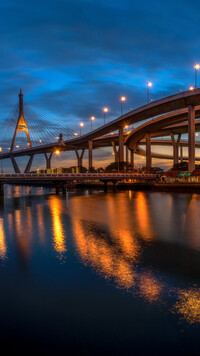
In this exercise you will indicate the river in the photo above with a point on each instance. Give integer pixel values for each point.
(94, 273)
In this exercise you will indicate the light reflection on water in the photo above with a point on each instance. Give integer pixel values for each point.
(133, 228)
(3, 248)
(57, 226)
(141, 242)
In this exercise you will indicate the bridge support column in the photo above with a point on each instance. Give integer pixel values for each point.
(80, 157)
(148, 152)
(48, 160)
(116, 152)
(90, 155)
(127, 157)
(191, 137)
(1, 189)
(175, 144)
(121, 145)
(127, 154)
(132, 160)
(114, 186)
(181, 153)
(15, 165)
(29, 164)
(57, 189)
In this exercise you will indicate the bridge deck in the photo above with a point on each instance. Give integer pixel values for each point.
(46, 178)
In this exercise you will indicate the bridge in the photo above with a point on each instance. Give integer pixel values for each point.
(65, 179)
(173, 115)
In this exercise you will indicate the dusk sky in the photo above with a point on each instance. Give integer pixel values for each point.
(73, 57)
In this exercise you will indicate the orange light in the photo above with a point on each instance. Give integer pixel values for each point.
(123, 98)
(191, 88)
(57, 152)
(126, 126)
(40, 141)
(197, 66)
(75, 133)
(149, 84)
(105, 109)
(92, 118)
(57, 138)
(17, 146)
(81, 124)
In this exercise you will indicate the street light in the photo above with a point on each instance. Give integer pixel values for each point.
(191, 88)
(1, 160)
(123, 98)
(81, 125)
(149, 84)
(57, 152)
(196, 67)
(92, 119)
(105, 110)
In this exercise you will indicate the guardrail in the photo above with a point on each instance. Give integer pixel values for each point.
(77, 175)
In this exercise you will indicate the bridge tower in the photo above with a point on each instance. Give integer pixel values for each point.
(21, 123)
(21, 126)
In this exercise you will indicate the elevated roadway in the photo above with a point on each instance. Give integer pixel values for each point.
(169, 110)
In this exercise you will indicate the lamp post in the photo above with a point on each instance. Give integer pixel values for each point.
(81, 125)
(1, 160)
(149, 84)
(196, 67)
(105, 110)
(57, 152)
(123, 98)
(92, 119)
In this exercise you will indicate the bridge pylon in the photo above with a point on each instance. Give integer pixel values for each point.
(21, 126)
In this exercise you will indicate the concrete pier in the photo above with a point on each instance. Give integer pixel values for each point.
(148, 152)
(191, 137)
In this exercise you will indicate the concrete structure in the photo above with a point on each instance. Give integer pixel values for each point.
(178, 108)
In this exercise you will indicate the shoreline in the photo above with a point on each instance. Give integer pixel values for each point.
(157, 187)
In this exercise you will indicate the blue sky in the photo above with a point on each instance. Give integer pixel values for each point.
(73, 57)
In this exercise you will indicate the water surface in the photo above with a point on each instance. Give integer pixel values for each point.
(91, 273)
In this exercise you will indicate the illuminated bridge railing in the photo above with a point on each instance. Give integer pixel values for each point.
(74, 176)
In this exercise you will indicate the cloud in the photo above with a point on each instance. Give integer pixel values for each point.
(73, 57)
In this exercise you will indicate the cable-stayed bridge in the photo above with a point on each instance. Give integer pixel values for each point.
(42, 134)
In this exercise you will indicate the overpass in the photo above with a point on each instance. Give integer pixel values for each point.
(170, 110)
(63, 179)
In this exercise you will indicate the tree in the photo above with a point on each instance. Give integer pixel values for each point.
(182, 166)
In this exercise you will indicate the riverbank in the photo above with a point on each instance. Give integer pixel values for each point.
(161, 187)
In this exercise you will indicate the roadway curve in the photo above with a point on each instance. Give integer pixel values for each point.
(165, 105)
